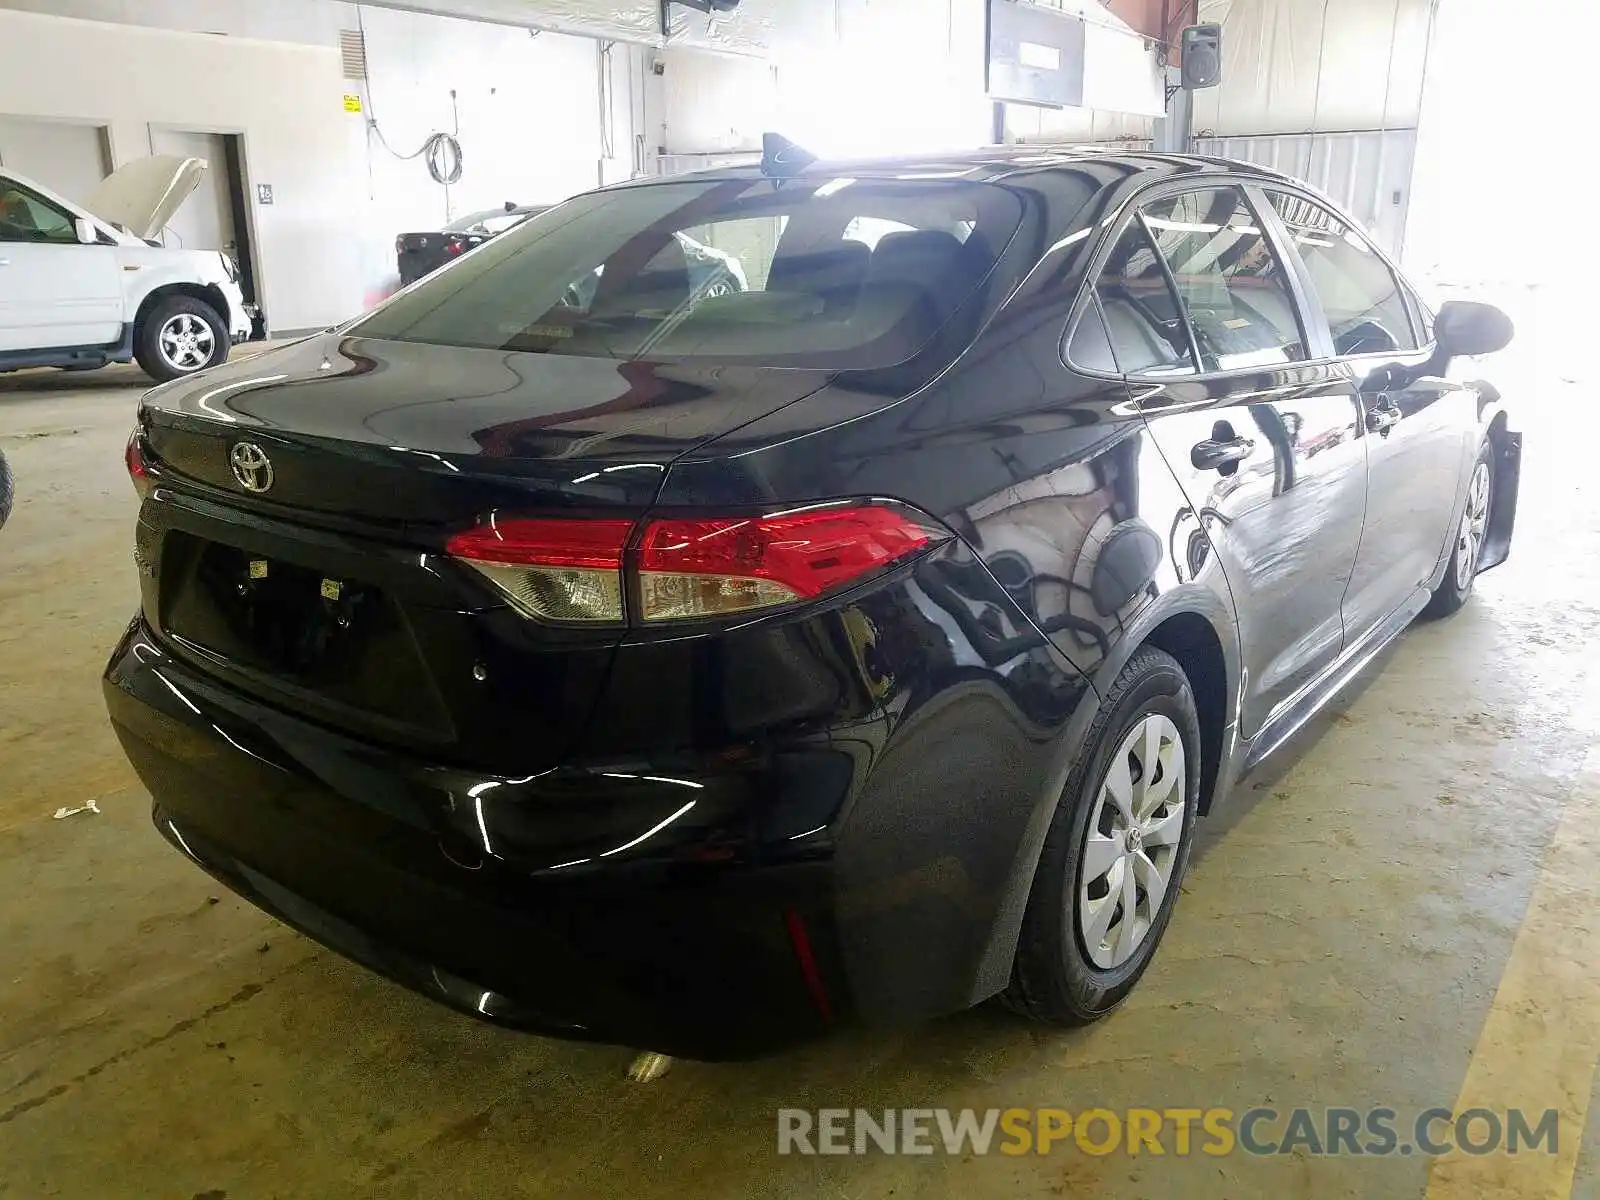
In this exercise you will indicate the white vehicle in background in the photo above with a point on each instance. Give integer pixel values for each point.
(83, 286)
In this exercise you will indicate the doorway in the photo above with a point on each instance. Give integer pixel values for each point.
(216, 217)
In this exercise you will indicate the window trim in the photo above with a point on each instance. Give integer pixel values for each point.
(45, 202)
(1319, 345)
(1299, 299)
(1171, 280)
(1402, 287)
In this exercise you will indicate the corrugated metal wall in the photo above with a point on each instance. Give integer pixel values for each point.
(1369, 173)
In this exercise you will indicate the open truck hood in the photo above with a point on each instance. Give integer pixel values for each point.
(141, 196)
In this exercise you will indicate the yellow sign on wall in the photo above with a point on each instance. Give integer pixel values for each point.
(352, 102)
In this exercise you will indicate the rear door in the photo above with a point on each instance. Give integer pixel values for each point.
(1421, 428)
(1260, 429)
(54, 291)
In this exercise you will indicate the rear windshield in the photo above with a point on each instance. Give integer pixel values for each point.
(837, 274)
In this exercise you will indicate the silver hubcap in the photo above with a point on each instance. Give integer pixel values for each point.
(1132, 845)
(186, 342)
(1469, 539)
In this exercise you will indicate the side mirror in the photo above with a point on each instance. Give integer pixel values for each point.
(1467, 327)
(88, 235)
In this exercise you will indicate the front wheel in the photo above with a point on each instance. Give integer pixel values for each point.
(179, 336)
(1116, 851)
(1466, 551)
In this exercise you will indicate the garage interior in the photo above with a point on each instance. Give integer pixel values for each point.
(1400, 909)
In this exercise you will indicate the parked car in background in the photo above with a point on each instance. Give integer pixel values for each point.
(700, 673)
(416, 254)
(83, 286)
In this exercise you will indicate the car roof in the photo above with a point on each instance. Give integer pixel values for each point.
(989, 163)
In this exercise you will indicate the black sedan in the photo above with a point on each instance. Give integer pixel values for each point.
(703, 672)
(416, 254)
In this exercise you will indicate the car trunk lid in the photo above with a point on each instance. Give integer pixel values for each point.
(292, 541)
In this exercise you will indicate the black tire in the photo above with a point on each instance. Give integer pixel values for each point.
(7, 490)
(147, 337)
(1053, 978)
(1452, 592)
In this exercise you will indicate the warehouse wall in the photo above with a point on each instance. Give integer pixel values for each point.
(526, 111)
(853, 77)
(284, 99)
(1368, 173)
(1300, 66)
(534, 122)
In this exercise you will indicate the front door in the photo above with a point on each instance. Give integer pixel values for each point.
(54, 291)
(1420, 427)
(1264, 442)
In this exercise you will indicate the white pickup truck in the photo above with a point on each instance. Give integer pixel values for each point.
(83, 286)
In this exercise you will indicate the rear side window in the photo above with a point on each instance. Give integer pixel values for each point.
(836, 274)
(1233, 286)
(1090, 347)
(1143, 318)
(1360, 296)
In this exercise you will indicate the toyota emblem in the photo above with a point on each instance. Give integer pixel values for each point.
(251, 466)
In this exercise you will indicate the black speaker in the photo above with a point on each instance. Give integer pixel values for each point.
(1202, 56)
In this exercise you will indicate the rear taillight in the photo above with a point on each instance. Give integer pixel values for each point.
(133, 456)
(565, 569)
(454, 247)
(553, 569)
(707, 568)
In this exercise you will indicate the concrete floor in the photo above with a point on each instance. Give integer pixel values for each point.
(1343, 933)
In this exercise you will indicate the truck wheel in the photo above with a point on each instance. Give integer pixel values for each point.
(179, 336)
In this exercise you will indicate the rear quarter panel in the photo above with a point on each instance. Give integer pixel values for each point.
(1072, 548)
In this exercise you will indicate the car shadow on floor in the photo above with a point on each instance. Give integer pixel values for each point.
(49, 381)
(1258, 784)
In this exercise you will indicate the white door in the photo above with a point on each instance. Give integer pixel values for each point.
(53, 291)
(205, 220)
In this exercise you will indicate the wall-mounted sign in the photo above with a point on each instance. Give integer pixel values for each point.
(352, 102)
(263, 193)
(1036, 55)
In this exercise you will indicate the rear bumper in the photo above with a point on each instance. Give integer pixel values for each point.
(605, 906)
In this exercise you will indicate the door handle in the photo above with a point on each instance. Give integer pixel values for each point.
(1210, 455)
(5, 262)
(1382, 417)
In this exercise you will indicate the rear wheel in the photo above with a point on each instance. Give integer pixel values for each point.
(179, 336)
(1116, 850)
(1466, 552)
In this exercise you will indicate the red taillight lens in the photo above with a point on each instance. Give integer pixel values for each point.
(555, 569)
(706, 568)
(454, 247)
(133, 456)
(567, 569)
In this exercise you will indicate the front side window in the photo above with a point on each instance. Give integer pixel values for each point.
(1143, 318)
(835, 274)
(26, 216)
(1365, 308)
(1234, 288)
